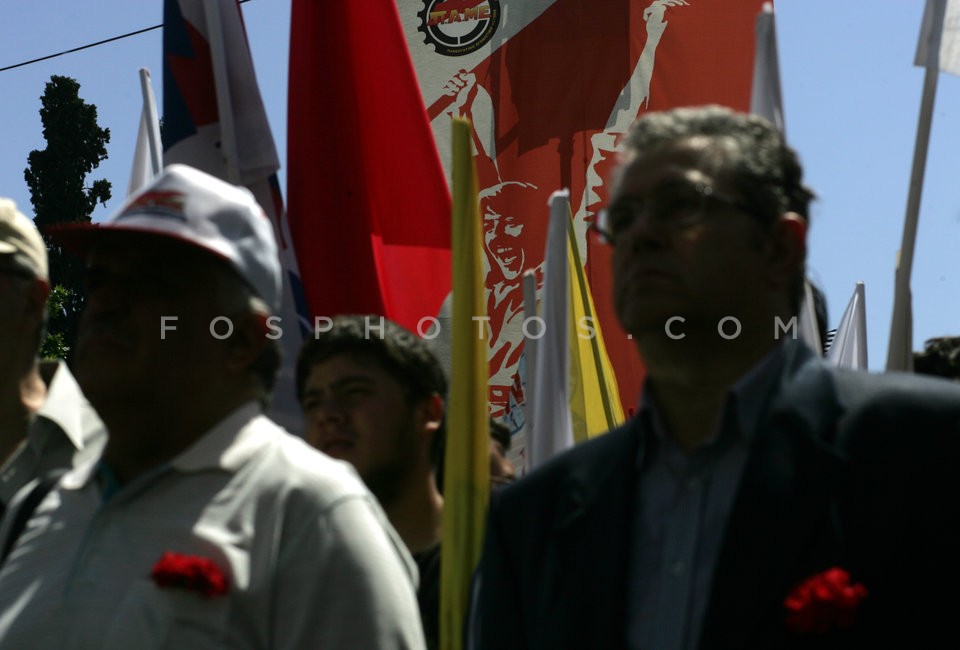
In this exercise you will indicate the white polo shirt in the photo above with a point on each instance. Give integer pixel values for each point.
(310, 559)
(65, 432)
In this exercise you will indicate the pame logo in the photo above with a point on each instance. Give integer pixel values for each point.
(458, 27)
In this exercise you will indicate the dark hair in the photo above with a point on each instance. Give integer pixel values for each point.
(760, 164)
(237, 295)
(400, 353)
(500, 432)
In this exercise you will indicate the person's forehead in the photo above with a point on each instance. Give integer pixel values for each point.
(134, 249)
(348, 366)
(697, 159)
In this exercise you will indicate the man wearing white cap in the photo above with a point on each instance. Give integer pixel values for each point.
(46, 424)
(203, 524)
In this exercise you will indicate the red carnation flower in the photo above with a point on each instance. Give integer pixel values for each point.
(191, 572)
(824, 602)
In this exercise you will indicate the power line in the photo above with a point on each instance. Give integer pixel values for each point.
(87, 46)
(82, 47)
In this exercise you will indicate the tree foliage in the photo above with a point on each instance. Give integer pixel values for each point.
(54, 346)
(57, 178)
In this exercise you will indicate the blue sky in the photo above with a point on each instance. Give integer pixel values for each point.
(851, 94)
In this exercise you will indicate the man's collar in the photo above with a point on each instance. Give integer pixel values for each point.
(227, 446)
(748, 396)
(65, 405)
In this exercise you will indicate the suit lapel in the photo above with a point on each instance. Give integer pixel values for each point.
(589, 546)
(783, 525)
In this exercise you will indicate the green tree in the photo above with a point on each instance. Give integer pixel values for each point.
(57, 178)
(54, 346)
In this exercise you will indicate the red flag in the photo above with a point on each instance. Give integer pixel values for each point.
(368, 202)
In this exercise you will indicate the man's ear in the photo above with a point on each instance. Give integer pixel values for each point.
(428, 420)
(789, 250)
(432, 410)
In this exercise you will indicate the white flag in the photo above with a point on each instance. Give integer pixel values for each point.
(809, 327)
(148, 152)
(849, 348)
(949, 59)
(140, 172)
(766, 98)
(552, 430)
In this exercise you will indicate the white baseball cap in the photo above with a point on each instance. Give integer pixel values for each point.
(21, 246)
(193, 207)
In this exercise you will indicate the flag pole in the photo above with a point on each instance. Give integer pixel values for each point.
(899, 355)
(228, 133)
(153, 123)
(766, 96)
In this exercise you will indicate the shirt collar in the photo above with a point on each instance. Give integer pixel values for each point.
(65, 406)
(747, 399)
(226, 446)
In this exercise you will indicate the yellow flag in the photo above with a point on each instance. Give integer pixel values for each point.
(466, 464)
(594, 397)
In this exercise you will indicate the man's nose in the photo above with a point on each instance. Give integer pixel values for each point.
(326, 409)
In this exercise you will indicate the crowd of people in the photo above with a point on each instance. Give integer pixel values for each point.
(758, 499)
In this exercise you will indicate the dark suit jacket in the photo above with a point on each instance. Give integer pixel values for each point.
(847, 469)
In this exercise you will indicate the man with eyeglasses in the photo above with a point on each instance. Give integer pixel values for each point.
(759, 499)
(46, 424)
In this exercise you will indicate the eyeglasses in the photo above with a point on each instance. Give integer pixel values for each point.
(675, 205)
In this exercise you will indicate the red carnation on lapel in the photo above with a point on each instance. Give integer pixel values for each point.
(824, 602)
(191, 572)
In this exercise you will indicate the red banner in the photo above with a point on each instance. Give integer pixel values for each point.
(551, 86)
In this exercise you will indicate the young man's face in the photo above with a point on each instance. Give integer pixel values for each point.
(357, 412)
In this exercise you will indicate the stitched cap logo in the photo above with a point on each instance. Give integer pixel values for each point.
(160, 203)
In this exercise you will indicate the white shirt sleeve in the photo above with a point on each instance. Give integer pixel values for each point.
(350, 564)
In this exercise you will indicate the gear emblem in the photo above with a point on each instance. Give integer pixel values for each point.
(458, 27)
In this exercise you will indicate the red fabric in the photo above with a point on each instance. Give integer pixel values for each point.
(824, 602)
(368, 203)
(190, 572)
